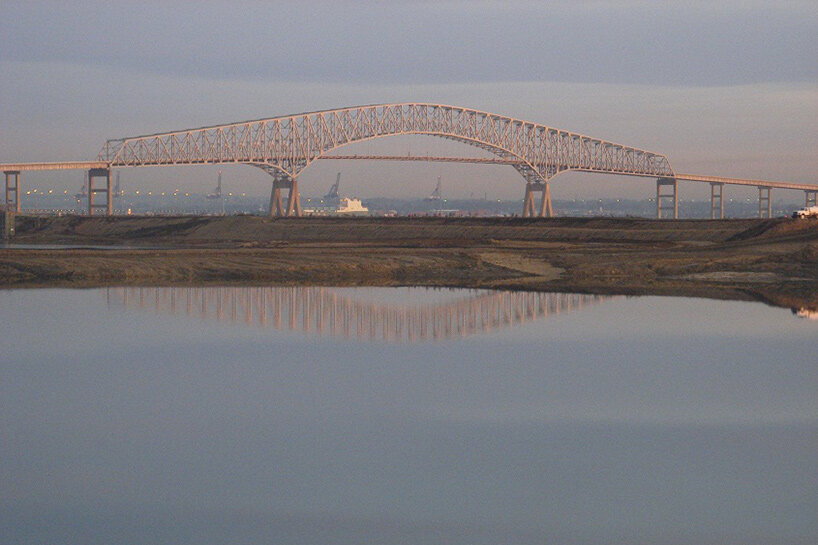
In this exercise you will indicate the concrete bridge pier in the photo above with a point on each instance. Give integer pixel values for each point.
(765, 202)
(811, 198)
(92, 191)
(716, 201)
(12, 205)
(530, 209)
(661, 197)
(277, 209)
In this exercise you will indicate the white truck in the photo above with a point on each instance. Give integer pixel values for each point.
(811, 212)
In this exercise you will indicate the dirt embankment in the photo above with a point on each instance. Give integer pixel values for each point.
(774, 260)
(232, 230)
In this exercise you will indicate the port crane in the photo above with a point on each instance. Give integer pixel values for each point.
(332, 196)
(437, 194)
(83, 194)
(117, 191)
(217, 194)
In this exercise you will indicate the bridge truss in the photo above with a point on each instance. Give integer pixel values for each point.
(285, 146)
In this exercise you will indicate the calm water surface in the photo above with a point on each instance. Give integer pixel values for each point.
(403, 416)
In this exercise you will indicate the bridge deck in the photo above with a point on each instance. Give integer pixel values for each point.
(80, 165)
(741, 181)
(506, 161)
(62, 165)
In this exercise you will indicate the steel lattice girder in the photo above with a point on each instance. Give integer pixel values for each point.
(290, 143)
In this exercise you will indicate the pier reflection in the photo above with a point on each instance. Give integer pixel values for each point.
(421, 314)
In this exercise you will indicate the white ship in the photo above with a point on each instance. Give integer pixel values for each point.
(351, 206)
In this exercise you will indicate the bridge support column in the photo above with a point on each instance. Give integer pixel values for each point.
(277, 209)
(12, 205)
(530, 209)
(660, 197)
(716, 201)
(92, 191)
(811, 198)
(765, 202)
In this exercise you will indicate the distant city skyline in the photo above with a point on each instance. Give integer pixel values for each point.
(728, 89)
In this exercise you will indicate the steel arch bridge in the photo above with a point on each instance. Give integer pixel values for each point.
(285, 146)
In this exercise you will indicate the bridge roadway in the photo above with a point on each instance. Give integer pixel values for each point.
(716, 204)
(12, 171)
(284, 146)
(87, 165)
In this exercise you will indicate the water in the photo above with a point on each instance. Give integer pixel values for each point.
(403, 416)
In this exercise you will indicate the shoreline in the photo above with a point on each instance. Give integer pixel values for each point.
(774, 261)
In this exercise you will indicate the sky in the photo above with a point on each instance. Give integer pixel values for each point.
(727, 88)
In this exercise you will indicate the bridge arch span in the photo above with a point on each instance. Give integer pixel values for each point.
(522, 165)
(287, 179)
(284, 146)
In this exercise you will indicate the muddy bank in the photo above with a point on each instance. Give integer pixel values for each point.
(209, 231)
(775, 261)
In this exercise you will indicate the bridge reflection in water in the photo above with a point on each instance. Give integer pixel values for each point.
(330, 311)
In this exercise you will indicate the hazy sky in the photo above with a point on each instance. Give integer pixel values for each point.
(727, 88)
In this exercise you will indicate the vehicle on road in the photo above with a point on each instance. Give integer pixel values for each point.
(809, 212)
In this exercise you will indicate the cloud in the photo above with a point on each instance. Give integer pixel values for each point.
(424, 42)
